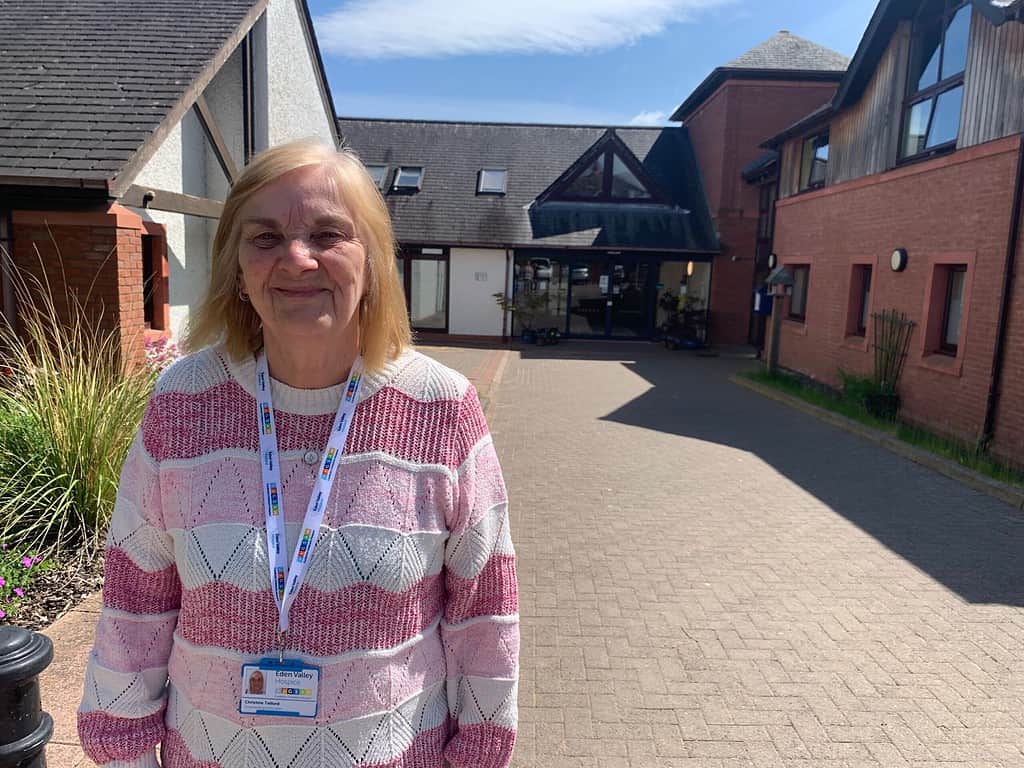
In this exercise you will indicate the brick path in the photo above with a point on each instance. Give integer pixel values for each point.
(711, 579)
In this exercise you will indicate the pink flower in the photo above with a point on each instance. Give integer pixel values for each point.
(26, 561)
(37, 559)
(2, 581)
(19, 592)
(2, 613)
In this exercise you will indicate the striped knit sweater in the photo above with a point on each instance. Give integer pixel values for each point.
(410, 604)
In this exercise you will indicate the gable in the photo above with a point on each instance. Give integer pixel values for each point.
(607, 172)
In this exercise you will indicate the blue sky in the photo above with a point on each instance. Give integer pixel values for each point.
(606, 62)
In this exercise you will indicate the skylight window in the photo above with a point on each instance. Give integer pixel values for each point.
(409, 177)
(377, 173)
(492, 181)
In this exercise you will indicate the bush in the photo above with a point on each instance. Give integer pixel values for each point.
(17, 572)
(69, 409)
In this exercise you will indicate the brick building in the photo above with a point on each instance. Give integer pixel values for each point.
(121, 126)
(904, 193)
(728, 116)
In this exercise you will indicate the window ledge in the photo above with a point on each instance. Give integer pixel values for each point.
(150, 334)
(940, 363)
(856, 341)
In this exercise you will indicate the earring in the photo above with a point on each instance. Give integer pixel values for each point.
(242, 295)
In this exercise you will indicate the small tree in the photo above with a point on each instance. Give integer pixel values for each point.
(525, 304)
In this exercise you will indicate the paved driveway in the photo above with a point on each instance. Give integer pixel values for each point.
(712, 579)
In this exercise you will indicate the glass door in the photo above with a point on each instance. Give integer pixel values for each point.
(425, 280)
(589, 296)
(630, 304)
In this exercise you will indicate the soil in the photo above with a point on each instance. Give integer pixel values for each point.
(57, 590)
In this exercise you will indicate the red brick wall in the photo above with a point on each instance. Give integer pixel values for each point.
(955, 208)
(726, 133)
(1009, 429)
(96, 257)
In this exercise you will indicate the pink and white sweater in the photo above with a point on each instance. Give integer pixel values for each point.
(410, 603)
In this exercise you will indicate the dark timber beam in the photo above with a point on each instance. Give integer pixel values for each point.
(172, 202)
(220, 147)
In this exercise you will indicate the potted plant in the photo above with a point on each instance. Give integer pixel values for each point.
(524, 305)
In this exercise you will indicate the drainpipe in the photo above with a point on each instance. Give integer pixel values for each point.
(999, 356)
(504, 312)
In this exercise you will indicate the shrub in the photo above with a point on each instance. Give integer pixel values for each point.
(69, 408)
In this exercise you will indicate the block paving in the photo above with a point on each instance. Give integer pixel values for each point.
(710, 579)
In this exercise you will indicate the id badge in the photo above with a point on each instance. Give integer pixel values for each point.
(285, 688)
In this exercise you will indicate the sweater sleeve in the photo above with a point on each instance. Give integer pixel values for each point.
(121, 717)
(481, 623)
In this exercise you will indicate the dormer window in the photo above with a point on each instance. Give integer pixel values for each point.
(606, 176)
(493, 181)
(378, 173)
(408, 178)
(935, 87)
(814, 161)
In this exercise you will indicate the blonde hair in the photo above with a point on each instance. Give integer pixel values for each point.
(383, 321)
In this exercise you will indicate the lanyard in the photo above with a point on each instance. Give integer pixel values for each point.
(285, 583)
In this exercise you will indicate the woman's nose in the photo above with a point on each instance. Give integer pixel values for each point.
(300, 253)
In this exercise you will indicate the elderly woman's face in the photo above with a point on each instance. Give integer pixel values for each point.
(300, 260)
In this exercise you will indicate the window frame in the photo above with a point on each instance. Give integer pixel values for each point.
(931, 93)
(800, 317)
(608, 153)
(397, 187)
(814, 137)
(492, 191)
(946, 348)
(865, 273)
(382, 184)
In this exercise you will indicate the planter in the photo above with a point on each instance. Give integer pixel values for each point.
(883, 405)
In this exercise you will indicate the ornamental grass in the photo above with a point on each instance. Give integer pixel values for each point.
(70, 405)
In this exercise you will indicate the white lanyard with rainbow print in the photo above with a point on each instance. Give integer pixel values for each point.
(285, 584)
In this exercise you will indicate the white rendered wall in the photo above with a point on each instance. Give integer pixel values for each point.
(179, 165)
(476, 275)
(287, 91)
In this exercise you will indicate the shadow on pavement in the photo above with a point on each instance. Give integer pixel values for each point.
(969, 542)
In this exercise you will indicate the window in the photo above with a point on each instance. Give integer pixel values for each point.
(935, 82)
(814, 162)
(492, 181)
(378, 173)
(798, 301)
(408, 177)
(953, 309)
(155, 301)
(607, 176)
(860, 300)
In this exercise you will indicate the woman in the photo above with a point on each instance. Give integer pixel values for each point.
(310, 499)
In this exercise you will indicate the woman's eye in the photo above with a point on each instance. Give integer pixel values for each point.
(330, 236)
(265, 239)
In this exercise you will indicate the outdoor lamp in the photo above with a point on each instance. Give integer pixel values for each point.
(689, 269)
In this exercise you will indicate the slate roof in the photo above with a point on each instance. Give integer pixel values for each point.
(84, 83)
(448, 210)
(787, 51)
(783, 56)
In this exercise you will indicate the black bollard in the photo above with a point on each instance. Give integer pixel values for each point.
(24, 727)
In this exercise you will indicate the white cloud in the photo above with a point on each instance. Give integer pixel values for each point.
(378, 29)
(649, 118)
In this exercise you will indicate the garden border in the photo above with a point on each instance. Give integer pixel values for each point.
(974, 480)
